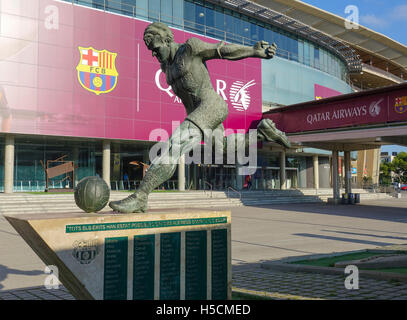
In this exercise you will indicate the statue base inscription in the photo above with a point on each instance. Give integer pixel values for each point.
(171, 254)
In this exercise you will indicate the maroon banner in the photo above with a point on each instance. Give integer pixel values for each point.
(376, 108)
(69, 70)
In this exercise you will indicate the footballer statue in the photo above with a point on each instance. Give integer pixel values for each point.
(184, 66)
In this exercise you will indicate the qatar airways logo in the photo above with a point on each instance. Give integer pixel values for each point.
(238, 93)
(373, 110)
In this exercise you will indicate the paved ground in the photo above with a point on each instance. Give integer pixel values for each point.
(259, 234)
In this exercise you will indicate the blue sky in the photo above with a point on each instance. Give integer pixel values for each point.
(386, 17)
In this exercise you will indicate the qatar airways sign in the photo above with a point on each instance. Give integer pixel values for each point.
(71, 70)
(346, 113)
(376, 108)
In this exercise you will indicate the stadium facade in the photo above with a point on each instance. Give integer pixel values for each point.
(77, 82)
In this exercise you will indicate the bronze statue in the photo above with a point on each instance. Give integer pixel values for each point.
(185, 70)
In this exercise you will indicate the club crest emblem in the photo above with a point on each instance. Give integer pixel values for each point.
(400, 104)
(85, 251)
(97, 70)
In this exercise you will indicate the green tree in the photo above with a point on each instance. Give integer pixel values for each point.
(398, 167)
(385, 173)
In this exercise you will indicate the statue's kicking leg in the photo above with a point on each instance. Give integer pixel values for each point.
(183, 140)
(266, 131)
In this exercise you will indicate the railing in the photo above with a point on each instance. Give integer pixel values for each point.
(36, 185)
(211, 187)
(117, 185)
(384, 73)
(187, 25)
(234, 190)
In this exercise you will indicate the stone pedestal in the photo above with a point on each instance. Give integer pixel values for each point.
(171, 254)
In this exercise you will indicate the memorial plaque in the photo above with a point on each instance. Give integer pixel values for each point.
(195, 265)
(170, 256)
(115, 269)
(163, 254)
(143, 267)
(219, 264)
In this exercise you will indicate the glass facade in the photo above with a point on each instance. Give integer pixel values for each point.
(32, 154)
(286, 82)
(215, 21)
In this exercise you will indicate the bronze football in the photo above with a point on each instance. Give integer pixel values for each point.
(92, 194)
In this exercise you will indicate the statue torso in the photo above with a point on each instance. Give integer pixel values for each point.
(189, 78)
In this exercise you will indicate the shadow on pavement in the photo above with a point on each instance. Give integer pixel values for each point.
(319, 236)
(5, 271)
(365, 211)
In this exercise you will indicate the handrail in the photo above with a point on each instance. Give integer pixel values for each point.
(234, 190)
(210, 185)
(368, 67)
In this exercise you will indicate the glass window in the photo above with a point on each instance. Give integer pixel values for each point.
(113, 6)
(326, 61)
(209, 17)
(142, 9)
(166, 11)
(261, 33)
(268, 35)
(127, 7)
(210, 22)
(200, 18)
(237, 29)
(245, 27)
(306, 53)
(316, 57)
(100, 4)
(284, 45)
(154, 10)
(87, 3)
(254, 32)
(189, 16)
(229, 27)
(300, 51)
(294, 48)
(219, 25)
(178, 12)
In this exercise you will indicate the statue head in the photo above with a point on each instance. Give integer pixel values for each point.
(158, 38)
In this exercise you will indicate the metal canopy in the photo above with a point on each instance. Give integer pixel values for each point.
(368, 43)
(282, 21)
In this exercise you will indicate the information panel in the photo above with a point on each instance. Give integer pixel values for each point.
(195, 265)
(115, 269)
(219, 264)
(143, 267)
(170, 256)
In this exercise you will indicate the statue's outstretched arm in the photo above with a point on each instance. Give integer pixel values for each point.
(221, 50)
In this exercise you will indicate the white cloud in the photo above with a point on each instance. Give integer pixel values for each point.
(399, 12)
(371, 20)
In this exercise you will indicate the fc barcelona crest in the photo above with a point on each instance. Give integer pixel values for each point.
(85, 251)
(400, 104)
(97, 70)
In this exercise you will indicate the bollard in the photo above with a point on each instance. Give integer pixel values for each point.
(351, 197)
(344, 198)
